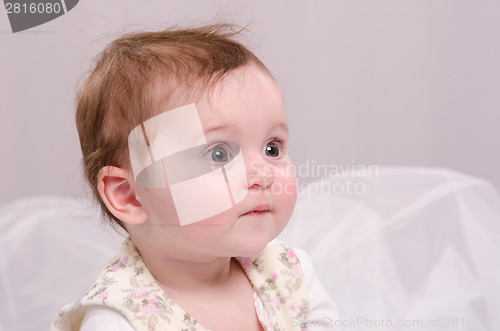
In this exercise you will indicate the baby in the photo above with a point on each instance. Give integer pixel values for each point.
(184, 142)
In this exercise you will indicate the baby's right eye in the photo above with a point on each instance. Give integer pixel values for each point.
(220, 153)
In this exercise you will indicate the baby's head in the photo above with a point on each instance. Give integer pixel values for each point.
(183, 134)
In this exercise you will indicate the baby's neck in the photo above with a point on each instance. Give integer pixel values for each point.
(187, 275)
(230, 295)
(204, 285)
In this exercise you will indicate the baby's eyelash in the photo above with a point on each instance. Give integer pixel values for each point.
(279, 141)
(282, 144)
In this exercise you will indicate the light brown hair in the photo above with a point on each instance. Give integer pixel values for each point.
(118, 94)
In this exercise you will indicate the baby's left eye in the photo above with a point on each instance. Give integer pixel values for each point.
(272, 149)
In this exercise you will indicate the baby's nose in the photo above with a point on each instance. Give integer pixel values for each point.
(259, 173)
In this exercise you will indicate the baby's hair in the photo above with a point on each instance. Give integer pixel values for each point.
(136, 75)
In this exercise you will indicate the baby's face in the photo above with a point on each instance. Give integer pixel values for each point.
(235, 193)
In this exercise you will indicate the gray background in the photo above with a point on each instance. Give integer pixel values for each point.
(378, 82)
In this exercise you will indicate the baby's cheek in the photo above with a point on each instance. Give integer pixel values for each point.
(159, 205)
(285, 201)
(286, 190)
(290, 192)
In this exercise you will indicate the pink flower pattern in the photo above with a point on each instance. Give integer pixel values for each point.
(246, 263)
(139, 292)
(149, 310)
(126, 283)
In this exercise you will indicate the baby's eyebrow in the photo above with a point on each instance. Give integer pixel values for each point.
(216, 128)
(278, 125)
(281, 125)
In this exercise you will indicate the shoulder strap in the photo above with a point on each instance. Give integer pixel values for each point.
(125, 284)
(277, 277)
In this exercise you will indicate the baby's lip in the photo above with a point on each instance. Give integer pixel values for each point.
(259, 209)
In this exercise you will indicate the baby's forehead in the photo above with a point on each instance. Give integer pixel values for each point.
(212, 94)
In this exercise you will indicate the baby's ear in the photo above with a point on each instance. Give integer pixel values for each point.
(119, 196)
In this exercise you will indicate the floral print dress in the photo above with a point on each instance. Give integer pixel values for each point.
(126, 285)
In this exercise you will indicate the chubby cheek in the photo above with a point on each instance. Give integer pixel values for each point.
(162, 211)
(159, 205)
(285, 193)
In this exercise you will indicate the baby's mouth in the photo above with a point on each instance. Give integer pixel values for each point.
(257, 211)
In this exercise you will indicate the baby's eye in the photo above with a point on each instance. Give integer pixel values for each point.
(219, 153)
(272, 149)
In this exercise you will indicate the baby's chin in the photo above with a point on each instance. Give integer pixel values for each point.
(252, 245)
(250, 250)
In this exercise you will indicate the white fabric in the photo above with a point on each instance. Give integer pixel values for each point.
(418, 243)
(105, 319)
(261, 312)
(51, 251)
(419, 248)
(99, 318)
